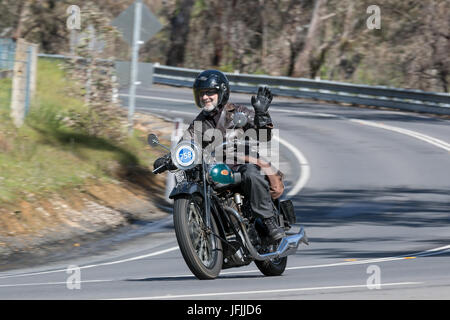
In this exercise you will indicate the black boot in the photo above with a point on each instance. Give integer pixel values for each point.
(275, 232)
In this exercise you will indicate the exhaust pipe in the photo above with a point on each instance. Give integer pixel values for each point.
(287, 246)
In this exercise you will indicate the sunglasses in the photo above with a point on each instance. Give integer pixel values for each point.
(208, 92)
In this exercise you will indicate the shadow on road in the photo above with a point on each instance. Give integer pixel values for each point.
(405, 207)
(184, 278)
(373, 223)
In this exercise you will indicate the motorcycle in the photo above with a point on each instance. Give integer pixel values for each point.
(214, 225)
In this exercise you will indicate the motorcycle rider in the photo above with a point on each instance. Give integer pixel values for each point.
(211, 93)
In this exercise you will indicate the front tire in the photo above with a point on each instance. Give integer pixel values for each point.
(201, 251)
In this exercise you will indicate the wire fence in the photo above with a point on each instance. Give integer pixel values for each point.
(7, 51)
(18, 61)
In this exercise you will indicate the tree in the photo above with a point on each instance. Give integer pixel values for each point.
(303, 65)
(103, 117)
(179, 24)
(431, 62)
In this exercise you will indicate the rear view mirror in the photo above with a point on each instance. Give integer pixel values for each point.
(152, 140)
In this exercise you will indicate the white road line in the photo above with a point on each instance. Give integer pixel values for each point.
(306, 113)
(51, 283)
(95, 265)
(215, 294)
(429, 252)
(435, 251)
(160, 98)
(169, 111)
(305, 171)
(436, 142)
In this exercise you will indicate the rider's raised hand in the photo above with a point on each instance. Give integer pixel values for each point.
(262, 100)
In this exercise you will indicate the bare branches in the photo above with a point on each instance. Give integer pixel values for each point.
(308, 38)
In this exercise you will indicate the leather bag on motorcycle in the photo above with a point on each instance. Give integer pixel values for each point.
(274, 176)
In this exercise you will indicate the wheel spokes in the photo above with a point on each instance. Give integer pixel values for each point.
(199, 237)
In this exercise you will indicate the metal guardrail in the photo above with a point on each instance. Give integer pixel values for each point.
(378, 96)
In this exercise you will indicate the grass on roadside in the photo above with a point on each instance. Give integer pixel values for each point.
(44, 155)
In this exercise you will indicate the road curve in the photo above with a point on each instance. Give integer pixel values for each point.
(375, 206)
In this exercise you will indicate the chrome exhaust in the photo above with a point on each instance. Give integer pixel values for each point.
(287, 246)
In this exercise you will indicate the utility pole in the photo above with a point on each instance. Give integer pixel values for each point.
(137, 24)
(134, 63)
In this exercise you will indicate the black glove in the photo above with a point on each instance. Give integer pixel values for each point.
(163, 163)
(262, 100)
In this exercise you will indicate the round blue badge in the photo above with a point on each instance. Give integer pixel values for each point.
(185, 156)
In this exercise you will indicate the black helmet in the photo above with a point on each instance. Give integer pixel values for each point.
(212, 79)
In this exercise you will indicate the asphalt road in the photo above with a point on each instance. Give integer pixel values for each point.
(372, 189)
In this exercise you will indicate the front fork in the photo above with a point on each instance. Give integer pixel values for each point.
(207, 194)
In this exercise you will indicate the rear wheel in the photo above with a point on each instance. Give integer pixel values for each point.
(201, 250)
(272, 267)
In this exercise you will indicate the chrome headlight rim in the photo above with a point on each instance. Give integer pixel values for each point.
(186, 155)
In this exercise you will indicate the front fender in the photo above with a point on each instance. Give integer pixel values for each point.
(185, 187)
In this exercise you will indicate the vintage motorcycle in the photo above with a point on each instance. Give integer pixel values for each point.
(214, 225)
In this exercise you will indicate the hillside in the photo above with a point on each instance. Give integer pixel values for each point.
(327, 39)
(60, 185)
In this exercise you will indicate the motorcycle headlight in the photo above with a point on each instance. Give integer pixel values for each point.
(186, 155)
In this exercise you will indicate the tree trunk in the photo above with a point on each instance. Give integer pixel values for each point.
(217, 38)
(179, 32)
(302, 66)
(22, 12)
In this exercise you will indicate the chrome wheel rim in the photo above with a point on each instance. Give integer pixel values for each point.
(202, 242)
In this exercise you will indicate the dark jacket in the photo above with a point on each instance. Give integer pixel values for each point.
(222, 119)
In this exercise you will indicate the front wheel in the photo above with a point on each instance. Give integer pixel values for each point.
(201, 250)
